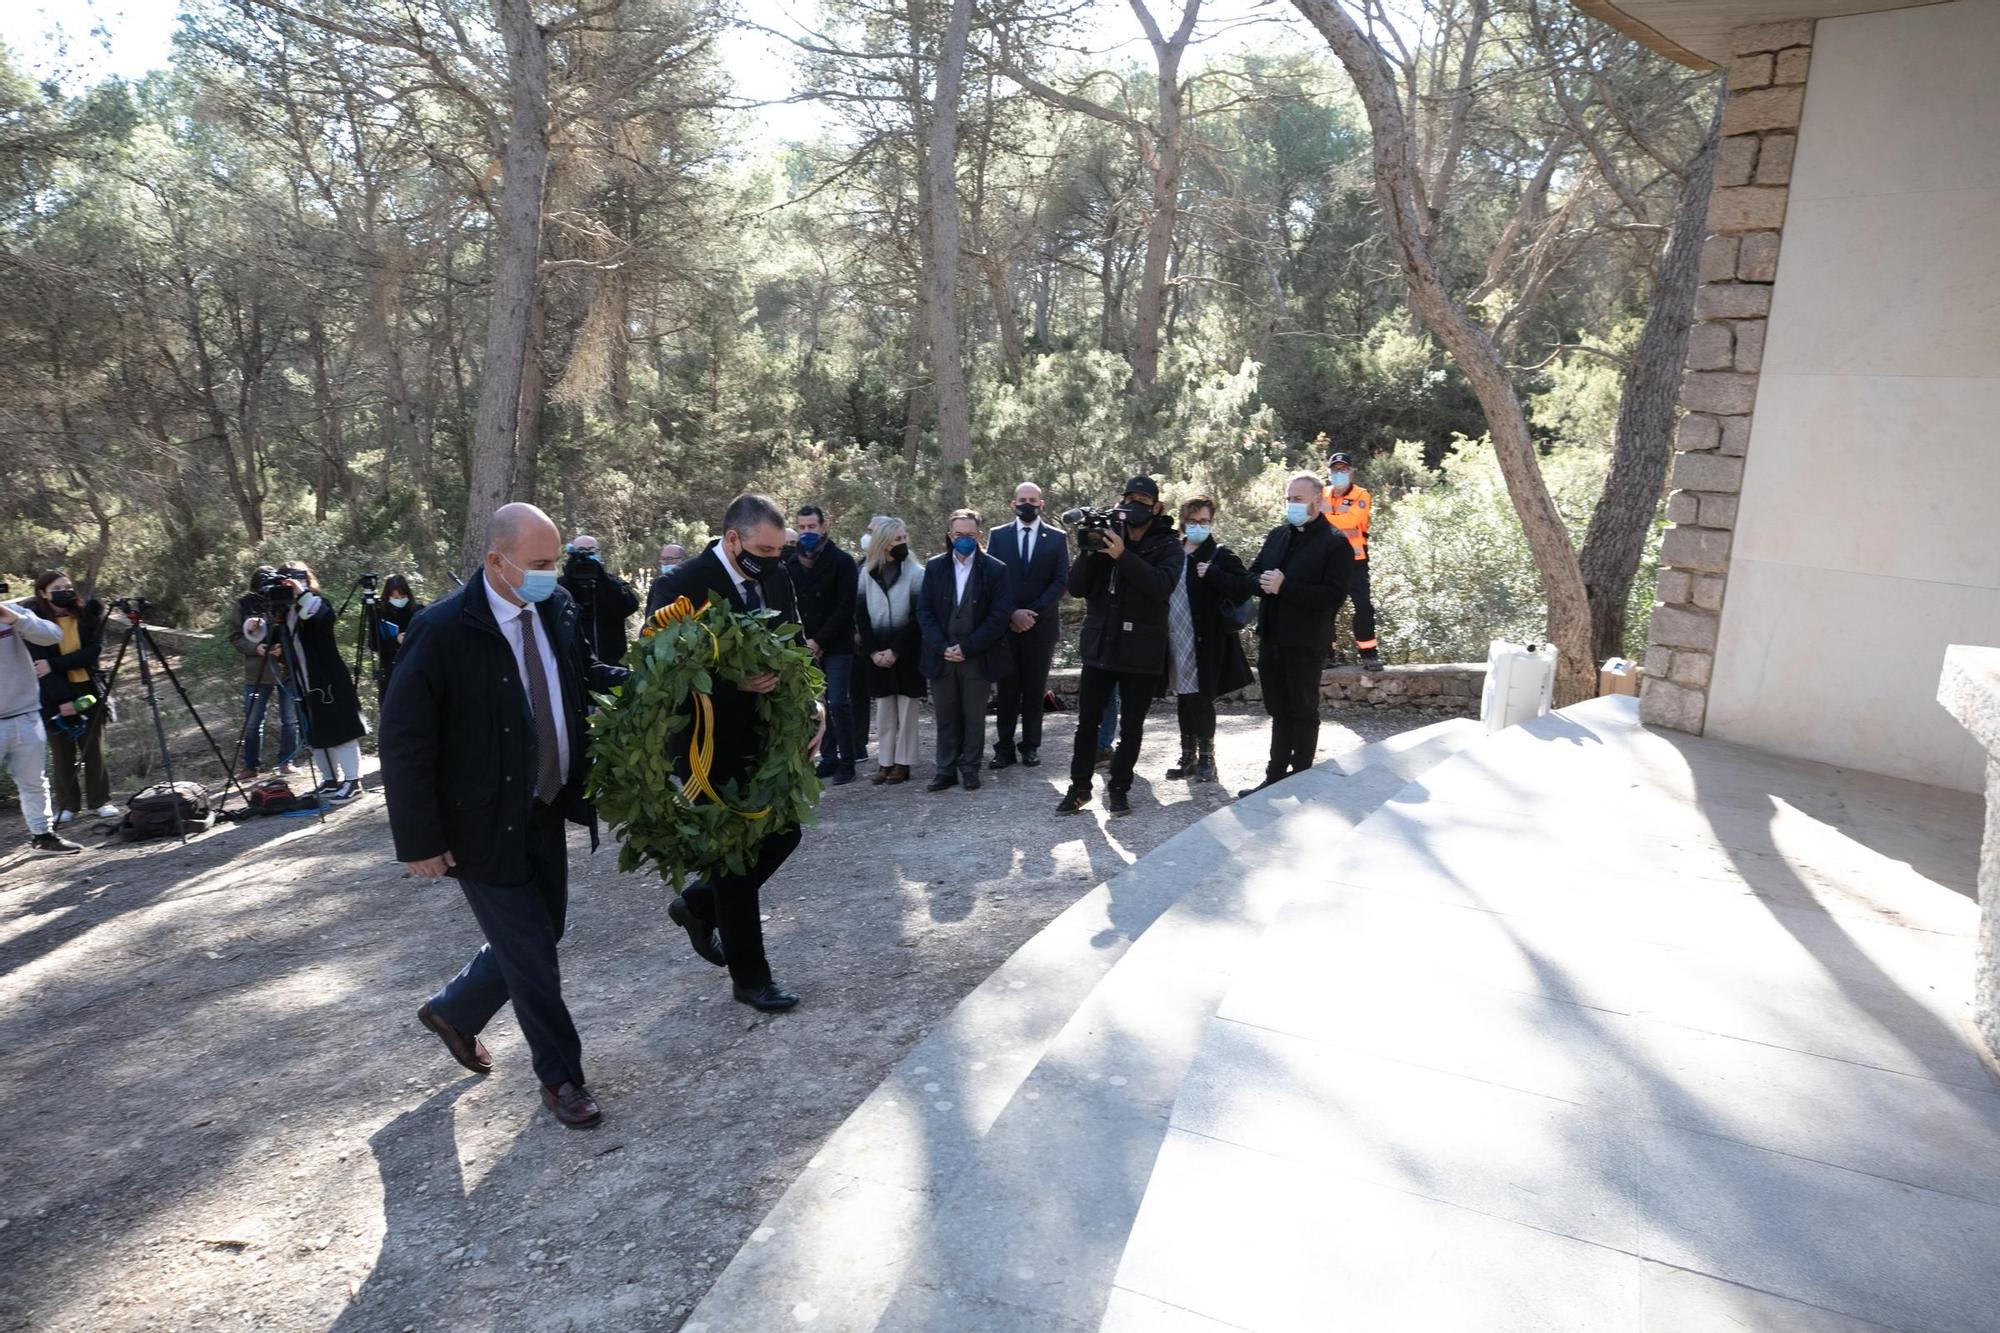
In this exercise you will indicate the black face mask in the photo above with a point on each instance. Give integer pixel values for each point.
(899, 553)
(755, 566)
(1026, 512)
(63, 597)
(1136, 516)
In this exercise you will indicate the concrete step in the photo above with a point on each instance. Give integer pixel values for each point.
(836, 1246)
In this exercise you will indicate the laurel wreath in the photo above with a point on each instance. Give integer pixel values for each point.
(665, 711)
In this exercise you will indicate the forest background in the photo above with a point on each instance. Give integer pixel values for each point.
(344, 273)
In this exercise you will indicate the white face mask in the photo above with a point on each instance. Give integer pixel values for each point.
(399, 602)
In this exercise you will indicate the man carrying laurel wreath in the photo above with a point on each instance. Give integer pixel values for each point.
(720, 912)
(483, 757)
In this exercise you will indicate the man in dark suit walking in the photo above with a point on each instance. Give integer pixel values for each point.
(720, 912)
(483, 759)
(1037, 555)
(963, 609)
(1300, 578)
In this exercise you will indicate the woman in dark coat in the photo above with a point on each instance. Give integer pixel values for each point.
(327, 697)
(885, 619)
(74, 710)
(395, 610)
(1220, 665)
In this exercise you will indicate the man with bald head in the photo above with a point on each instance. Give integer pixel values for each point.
(672, 556)
(606, 600)
(483, 740)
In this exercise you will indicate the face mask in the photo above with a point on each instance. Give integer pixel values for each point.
(63, 597)
(1136, 516)
(808, 542)
(867, 540)
(964, 545)
(591, 555)
(1197, 533)
(754, 566)
(536, 584)
(1026, 512)
(899, 552)
(667, 568)
(1296, 512)
(399, 602)
(1339, 480)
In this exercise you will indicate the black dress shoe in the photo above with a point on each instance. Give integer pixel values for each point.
(841, 777)
(824, 768)
(1117, 803)
(766, 997)
(969, 779)
(1031, 758)
(943, 782)
(573, 1105)
(1004, 759)
(468, 1051)
(706, 939)
(1074, 802)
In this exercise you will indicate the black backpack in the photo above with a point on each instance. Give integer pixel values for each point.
(163, 810)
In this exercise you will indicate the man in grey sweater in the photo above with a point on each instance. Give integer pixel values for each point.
(23, 744)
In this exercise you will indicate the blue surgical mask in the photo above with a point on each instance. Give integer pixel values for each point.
(536, 584)
(964, 545)
(1340, 481)
(399, 602)
(667, 568)
(1296, 512)
(1196, 533)
(808, 542)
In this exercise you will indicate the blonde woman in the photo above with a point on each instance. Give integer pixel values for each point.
(886, 618)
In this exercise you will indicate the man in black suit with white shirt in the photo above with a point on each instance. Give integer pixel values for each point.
(720, 911)
(1037, 555)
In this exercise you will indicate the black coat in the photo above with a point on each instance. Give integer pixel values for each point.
(1218, 643)
(458, 740)
(606, 601)
(991, 589)
(57, 688)
(825, 590)
(735, 712)
(906, 640)
(258, 669)
(325, 686)
(1315, 560)
(1125, 616)
(1041, 580)
(386, 648)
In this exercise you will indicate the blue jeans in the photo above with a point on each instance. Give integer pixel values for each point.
(839, 743)
(256, 698)
(1107, 730)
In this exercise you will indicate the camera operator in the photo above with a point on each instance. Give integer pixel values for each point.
(605, 599)
(73, 697)
(1124, 574)
(22, 743)
(1301, 578)
(264, 676)
(394, 611)
(302, 622)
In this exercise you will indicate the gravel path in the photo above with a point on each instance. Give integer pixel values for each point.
(221, 1114)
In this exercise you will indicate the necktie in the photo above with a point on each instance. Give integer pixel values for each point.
(753, 595)
(548, 753)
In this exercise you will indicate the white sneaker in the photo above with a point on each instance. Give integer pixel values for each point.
(108, 812)
(64, 818)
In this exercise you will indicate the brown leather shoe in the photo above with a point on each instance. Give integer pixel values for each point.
(573, 1105)
(468, 1051)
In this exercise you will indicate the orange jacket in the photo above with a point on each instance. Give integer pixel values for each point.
(1350, 513)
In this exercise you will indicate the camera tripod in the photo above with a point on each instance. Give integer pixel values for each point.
(264, 677)
(148, 655)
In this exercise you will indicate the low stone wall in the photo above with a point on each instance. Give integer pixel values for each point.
(1450, 687)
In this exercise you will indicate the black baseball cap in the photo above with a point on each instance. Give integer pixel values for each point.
(1142, 486)
(1342, 457)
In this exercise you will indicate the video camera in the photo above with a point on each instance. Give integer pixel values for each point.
(1091, 523)
(275, 587)
(134, 607)
(581, 568)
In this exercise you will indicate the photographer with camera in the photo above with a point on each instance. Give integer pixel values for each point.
(1301, 576)
(264, 677)
(73, 696)
(605, 599)
(301, 621)
(23, 745)
(1124, 573)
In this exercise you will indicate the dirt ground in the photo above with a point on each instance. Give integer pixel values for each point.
(220, 1113)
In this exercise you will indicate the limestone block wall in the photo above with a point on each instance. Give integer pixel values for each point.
(1449, 689)
(1739, 268)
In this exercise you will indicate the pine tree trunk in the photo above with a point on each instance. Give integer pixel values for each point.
(1568, 625)
(516, 262)
(941, 276)
(1645, 440)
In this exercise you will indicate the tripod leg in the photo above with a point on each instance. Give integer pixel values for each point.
(159, 728)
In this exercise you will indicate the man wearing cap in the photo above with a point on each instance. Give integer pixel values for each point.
(1348, 508)
(1125, 576)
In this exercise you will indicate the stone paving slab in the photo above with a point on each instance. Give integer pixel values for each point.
(1540, 1080)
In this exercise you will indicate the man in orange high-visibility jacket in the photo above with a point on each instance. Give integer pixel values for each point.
(1348, 508)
